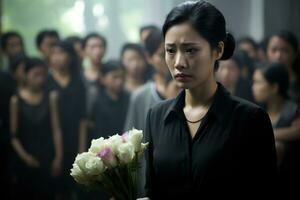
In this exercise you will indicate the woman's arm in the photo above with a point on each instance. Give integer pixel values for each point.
(56, 134)
(16, 144)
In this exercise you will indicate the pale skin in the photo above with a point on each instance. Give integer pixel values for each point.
(190, 60)
(34, 98)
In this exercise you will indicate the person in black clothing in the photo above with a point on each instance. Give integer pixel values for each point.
(270, 88)
(35, 135)
(205, 141)
(71, 105)
(110, 108)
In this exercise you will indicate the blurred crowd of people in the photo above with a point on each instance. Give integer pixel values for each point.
(53, 106)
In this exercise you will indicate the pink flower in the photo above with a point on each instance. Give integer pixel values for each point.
(108, 158)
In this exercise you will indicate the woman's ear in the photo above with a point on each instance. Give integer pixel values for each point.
(219, 50)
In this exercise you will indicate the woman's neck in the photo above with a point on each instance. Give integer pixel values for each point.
(201, 95)
(274, 105)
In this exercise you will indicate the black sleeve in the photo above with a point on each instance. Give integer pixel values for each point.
(259, 154)
(149, 157)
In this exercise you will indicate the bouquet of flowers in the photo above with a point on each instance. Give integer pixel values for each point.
(111, 164)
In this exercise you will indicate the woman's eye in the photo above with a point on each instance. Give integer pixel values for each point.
(170, 51)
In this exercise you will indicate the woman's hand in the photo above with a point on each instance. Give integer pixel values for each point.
(31, 161)
(56, 167)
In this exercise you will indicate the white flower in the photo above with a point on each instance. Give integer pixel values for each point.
(94, 166)
(79, 175)
(89, 163)
(126, 152)
(135, 137)
(98, 145)
(115, 141)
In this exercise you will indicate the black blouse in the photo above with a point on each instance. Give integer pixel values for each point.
(233, 149)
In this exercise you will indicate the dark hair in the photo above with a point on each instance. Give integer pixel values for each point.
(16, 61)
(153, 42)
(206, 19)
(111, 65)
(45, 33)
(8, 35)
(287, 36)
(248, 40)
(33, 63)
(148, 27)
(93, 35)
(276, 73)
(135, 47)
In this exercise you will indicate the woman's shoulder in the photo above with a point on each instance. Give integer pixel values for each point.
(248, 111)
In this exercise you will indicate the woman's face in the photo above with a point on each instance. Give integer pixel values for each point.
(228, 73)
(134, 63)
(189, 56)
(36, 77)
(59, 59)
(262, 90)
(280, 51)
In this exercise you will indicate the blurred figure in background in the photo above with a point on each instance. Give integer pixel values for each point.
(249, 46)
(134, 62)
(72, 105)
(11, 45)
(110, 108)
(262, 50)
(76, 41)
(45, 40)
(283, 47)
(145, 31)
(35, 135)
(94, 46)
(230, 75)
(152, 92)
(270, 87)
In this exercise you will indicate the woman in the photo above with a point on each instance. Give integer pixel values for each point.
(36, 135)
(71, 105)
(270, 87)
(283, 47)
(205, 141)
